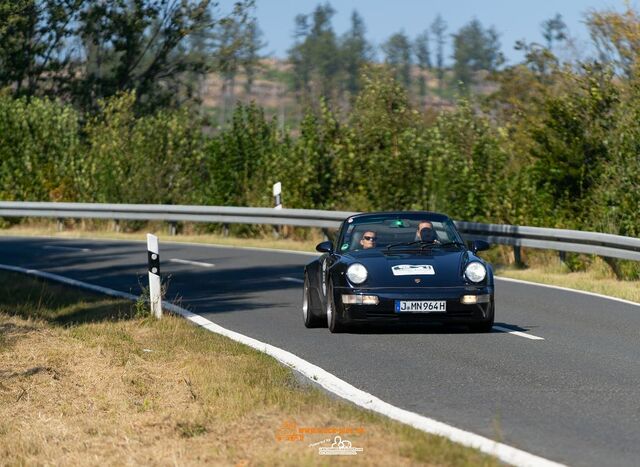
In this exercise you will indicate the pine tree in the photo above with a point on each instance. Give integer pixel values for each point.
(438, 28)
(423, 56)
(355, 52)
(314, 55)
(398, 56)
(475, 49)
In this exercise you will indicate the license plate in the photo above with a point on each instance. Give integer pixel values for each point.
(406, 306)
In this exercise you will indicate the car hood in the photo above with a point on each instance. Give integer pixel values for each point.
(435, 268)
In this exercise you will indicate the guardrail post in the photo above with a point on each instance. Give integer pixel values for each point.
(517, 256)
(155, 295)
(562, 255)
(116, 225)
(60, 224)
(225, 230)
(173, 228)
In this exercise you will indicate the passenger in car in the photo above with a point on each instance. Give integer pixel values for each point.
(369, 239)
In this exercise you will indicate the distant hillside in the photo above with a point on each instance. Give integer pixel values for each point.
(271, 90)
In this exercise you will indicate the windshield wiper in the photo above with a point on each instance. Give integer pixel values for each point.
(422, 243)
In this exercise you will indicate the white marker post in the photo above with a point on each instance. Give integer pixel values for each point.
(277, 204)
(155, 298)
(277, 195)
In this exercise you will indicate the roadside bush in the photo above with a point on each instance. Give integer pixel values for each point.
(307, 167)
(466, 172)
(381, 162)
(150, 159)
(40, 150)
(237, 161)
(616, 200)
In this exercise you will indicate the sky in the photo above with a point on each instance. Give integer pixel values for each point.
(513, 19)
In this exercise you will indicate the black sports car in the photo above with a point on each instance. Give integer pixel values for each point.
(399, 266)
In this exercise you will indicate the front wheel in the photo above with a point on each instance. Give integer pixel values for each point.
(334, 322)
(310, 320)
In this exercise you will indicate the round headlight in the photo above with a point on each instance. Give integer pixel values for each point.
(475, 272)
(357, 273)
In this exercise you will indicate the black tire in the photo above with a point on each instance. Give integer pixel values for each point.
(487, 325)
(334, 322)
(311, 320)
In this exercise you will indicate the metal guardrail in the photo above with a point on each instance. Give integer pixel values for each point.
(175, 213)
(562, 240)
(577, 241)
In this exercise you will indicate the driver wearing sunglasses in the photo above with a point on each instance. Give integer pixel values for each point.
(369, 239)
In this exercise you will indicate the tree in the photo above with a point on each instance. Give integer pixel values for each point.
(616, 37)
(423, 56)
(314, 55)
(421, 47)
(251, 52)
(438, 28)
(133, 49)
(355, 52)
(615, 200)
(397, 50)
(384, 149)
(85, 51)
(572, 138)
(475, 49)
(538, 58)
(554, 30)
(35, 49)
(237, 43)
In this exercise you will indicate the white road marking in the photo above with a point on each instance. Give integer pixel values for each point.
(194, 263)
(334, 384)
(567, 289)
(237, 247)
(518, 333)
(69, 281)
(64, 248)
(292, 279)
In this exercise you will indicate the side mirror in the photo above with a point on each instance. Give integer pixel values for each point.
(325, 247)
(479, 245)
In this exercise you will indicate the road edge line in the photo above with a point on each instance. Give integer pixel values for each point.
(567, 289)
(327, 380)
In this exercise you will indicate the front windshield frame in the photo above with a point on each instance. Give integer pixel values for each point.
(405, 230)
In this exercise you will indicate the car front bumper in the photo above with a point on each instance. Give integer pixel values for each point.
(385, 310)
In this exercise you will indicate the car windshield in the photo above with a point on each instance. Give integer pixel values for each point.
(402, 230)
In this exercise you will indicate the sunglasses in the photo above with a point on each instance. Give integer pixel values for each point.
(371, 239)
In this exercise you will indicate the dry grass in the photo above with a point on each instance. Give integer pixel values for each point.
(88, 380)
(545, 267)
(159, 229)
(590, 281)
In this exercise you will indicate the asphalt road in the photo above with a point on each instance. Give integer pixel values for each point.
(573, 397)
